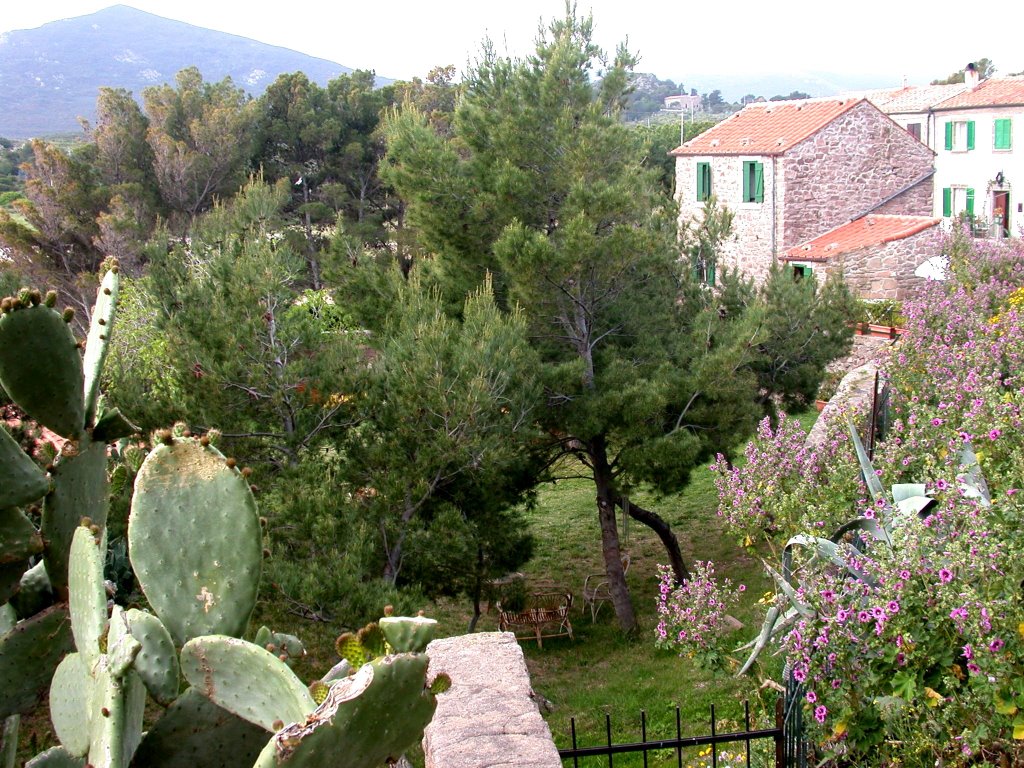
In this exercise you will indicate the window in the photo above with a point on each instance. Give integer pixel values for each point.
(957, 200)
(753, 182)
(1003, 134)
(703, 181)
(914, 129)
(960, 135)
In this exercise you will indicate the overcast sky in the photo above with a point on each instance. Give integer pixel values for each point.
(406, 38)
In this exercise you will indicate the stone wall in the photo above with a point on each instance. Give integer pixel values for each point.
(886, 271)
(854, 163)
(750, 246)
(489, 717)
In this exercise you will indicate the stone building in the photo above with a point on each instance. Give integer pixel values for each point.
(878, 254)
(792, 171)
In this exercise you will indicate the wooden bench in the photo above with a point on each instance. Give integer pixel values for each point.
(546, 615)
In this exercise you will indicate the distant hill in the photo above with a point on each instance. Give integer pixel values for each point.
(51, 75)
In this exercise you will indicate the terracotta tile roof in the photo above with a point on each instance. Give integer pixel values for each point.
(994, 92)
(770, 128)
(916, 98)
(873, 229)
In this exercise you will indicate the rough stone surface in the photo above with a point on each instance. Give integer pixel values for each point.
(855, 390)
(886, 271)
(488, 718)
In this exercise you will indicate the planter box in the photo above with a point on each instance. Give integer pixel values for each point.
(877, 331)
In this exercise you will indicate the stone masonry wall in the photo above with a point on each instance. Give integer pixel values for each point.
(917, 198)
(887, 271)
(852, 164)
(750, 246)
(488, 718)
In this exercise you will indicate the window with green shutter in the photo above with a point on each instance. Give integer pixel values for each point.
(753, 181)
(947, 202)
(960, 135)
(1002, 130)
(969, 206)
(703, 181)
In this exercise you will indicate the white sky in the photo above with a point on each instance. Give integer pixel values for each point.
(675, 38)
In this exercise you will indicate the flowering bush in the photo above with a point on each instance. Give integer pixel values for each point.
(783, 486)
(910, 642)
(692, 616)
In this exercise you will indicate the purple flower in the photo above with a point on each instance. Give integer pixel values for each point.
(812, 696)
(994, 434)
(863, 617)
(945, 575)
(996, 645)
(799, 675)
(820, 713)
(936, 422)
(893, 607)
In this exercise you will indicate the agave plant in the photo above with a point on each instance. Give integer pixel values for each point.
(904, 502)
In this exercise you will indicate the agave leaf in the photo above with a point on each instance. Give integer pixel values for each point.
(866, 524)
(902, 491)
(870, 478)
(972, 481)
(915, 506)
(787, 589)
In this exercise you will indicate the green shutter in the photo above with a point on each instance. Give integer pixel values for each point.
(970, 134)
(949, 135)
(947, 202)
(1003, 134)
(711, 272)
(703, 181)
(970, 202)
(746, 181)
(758, 183)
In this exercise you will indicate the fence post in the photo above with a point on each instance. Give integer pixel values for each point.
(780, 739)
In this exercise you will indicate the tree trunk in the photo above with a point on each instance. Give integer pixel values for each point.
(656, 523)
(606, 502)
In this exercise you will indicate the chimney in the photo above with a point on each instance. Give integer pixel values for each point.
(972, 76)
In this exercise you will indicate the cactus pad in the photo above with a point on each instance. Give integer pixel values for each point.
(88, 598)
(29, 654)
(19, 539)
(157, 662)
(196, 733)
(21, 480)
(245, 679)
(408, 634)
(194, 541)
(98, 342)
(370, 728)
(34, 593)
(79, 490)
(70, 691)
(55, 757)
(41, 369)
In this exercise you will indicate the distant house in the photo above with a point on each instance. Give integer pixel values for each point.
(683, 102)
(794, 170)
(971, 128)
(878, 254)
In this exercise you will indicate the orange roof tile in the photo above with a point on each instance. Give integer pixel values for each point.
(994, 92)
(916, 98)
(873, 229)
(770, 128)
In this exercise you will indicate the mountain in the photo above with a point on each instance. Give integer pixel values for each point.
(50, 76)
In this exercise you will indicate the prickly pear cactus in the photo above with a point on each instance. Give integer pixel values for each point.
(194, 540)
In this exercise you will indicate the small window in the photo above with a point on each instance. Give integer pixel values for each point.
(914, 129)
(1003, 134)
(703, 181)
(957, 200)
(960, 135)
(753, 182)
(800, 271)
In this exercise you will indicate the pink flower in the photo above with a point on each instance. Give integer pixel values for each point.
(820, 713)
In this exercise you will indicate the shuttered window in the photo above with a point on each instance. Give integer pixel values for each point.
(753, 181)
(1003, 138)
(947, 202)
(959, 135)
(703, 181)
